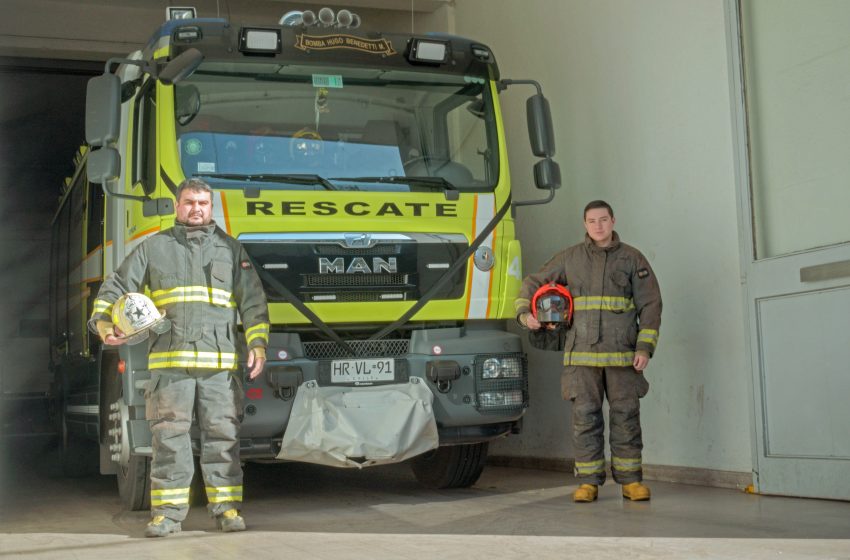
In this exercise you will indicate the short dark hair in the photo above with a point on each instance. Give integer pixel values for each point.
(598, 204)
(192, 184)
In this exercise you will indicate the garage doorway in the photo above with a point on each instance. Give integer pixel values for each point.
(41, 126)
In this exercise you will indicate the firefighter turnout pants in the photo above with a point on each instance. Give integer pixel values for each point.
(172, 396)
(586, 387)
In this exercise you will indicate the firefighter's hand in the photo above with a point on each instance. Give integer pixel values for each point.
(256, 361)
(110, 334)
(532, 323)
(641, 360)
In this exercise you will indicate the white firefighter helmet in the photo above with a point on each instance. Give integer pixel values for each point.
(135, 315)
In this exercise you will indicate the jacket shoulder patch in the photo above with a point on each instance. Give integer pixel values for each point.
(642, 273)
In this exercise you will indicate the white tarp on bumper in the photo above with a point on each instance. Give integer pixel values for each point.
(360, 426)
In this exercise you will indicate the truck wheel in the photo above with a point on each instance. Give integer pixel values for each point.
(132, 472)
(134, 483)
(452, 466)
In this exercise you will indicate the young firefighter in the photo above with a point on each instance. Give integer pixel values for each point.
(200, 277)
(614, 333)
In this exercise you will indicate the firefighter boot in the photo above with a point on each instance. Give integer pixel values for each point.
(586, 493)
(161, 526)
(230, 521)
(636, 492)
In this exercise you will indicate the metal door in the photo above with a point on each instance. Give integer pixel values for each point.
(792, 111)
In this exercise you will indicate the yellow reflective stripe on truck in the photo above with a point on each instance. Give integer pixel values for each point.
(479, 283)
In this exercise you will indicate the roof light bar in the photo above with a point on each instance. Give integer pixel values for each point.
(176, 12)
(188, 34)
(482, 53)
(434, 52)
(259, 41)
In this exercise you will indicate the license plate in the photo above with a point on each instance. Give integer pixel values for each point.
(362, 371)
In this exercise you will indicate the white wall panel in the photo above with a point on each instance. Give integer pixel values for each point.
(640, 98)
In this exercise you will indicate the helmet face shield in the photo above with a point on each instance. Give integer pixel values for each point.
(135, 315)
(552, 304)
(551, 308)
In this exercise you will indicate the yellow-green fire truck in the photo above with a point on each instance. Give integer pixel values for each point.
(366, 175)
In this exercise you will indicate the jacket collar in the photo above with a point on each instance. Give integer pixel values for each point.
(592, 247)
(180, 230)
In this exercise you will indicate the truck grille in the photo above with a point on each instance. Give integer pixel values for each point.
(357, 297)
(377, 250)
(319, 267)
(353, 280)
(363, 348)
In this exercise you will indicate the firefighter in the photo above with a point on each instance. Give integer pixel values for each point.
(617, 314)
(200, 277)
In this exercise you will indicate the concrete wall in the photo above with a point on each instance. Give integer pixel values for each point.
(640, 99)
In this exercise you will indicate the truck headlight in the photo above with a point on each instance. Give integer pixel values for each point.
(501, 368)
(501, 383)
(500, 398)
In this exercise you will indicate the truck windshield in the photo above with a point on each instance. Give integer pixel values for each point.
(355, 128)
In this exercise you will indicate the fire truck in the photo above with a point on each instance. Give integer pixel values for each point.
(366, 175)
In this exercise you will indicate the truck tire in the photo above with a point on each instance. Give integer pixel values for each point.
(452, 466)
(134, 483)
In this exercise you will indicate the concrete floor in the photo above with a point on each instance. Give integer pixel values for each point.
(304, 511)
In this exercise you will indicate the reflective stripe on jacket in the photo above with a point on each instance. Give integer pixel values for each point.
(200, 277)
(617, 302)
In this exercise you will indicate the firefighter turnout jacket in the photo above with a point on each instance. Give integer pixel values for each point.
(200, 284)
(617, 302)
(617, 312)
(200, 277)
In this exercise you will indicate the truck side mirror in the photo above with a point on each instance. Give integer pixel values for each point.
(541, 133)
(181, 67)
(103, 110)
(547, 174)
(103, 165)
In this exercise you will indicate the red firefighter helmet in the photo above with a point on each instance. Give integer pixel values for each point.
(552, 303)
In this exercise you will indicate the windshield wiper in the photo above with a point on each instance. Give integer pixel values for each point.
(432, 182)
(295, 178)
